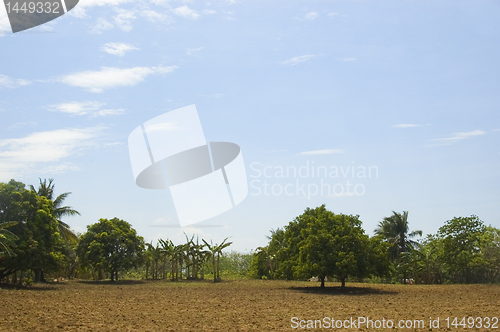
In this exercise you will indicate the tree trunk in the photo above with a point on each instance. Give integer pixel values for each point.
(218, 268)
(322, 279)
(342, 280)
(213, 266)
(39, 276)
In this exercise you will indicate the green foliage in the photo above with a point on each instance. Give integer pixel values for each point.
(462, 248)
(235, 264)
(46, 189)
(38, 245)
(7, 238)
(261, 264)
(112, 245)
(322, 244)
(333, 245)
(395, 230)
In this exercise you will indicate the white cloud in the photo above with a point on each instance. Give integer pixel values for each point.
(80, 10)
(118, 49)
(153, 16)
(92, 3)
(333, 14)
(4, 23)
(311, 16)
(109, 77)
(100, 26)
(346, 59)
(456, 137)
(7, 82)
(406, 125)
(191, 51)
(92, 108)
(298, 59)
(106, 112)
(320, 152)
(209, 12)
(124, 19)
(185, 11)
(19, 156)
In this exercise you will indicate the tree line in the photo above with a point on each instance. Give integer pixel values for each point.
(34, 242)
(322, 244)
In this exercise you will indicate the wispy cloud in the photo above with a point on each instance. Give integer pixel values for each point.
(209, 12)
(124, 19)
(153, 16)
(311, 16)
(185, 11)
(8, 82)
(118, 49)
(110, 77)
(19, 156)
(456, 137)
(298, 59)
(333, 14)
(92, 108)
(80, 10)
(191, 51)
(320, 152)
(100, 26)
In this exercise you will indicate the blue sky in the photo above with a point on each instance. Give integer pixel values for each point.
(409, 88)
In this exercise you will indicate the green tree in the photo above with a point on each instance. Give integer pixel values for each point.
(426, 262)
(490, 249)
(7, 238)
(39, 244)
(215, 254)
(462, 257)
(111, 244)
(289, 254)
(46, 189)
(395, 229)
(334, 245)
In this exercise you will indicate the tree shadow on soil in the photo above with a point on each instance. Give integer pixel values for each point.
(349, 291)
(113, 283)
(39, 286)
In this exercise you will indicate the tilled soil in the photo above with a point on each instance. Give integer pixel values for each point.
(244, 305)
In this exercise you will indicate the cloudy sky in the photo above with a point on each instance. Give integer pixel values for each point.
(364, 106)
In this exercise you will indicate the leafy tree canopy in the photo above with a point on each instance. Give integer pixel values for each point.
(112, 245)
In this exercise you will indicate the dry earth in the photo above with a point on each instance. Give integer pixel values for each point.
(242, 305)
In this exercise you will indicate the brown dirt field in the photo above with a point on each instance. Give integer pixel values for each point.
(241, 305)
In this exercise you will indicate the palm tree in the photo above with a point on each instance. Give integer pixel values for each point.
(276, 243)
(6, 236)
(213, 252)
(395, 230)
(46, 189)
(219, 249)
